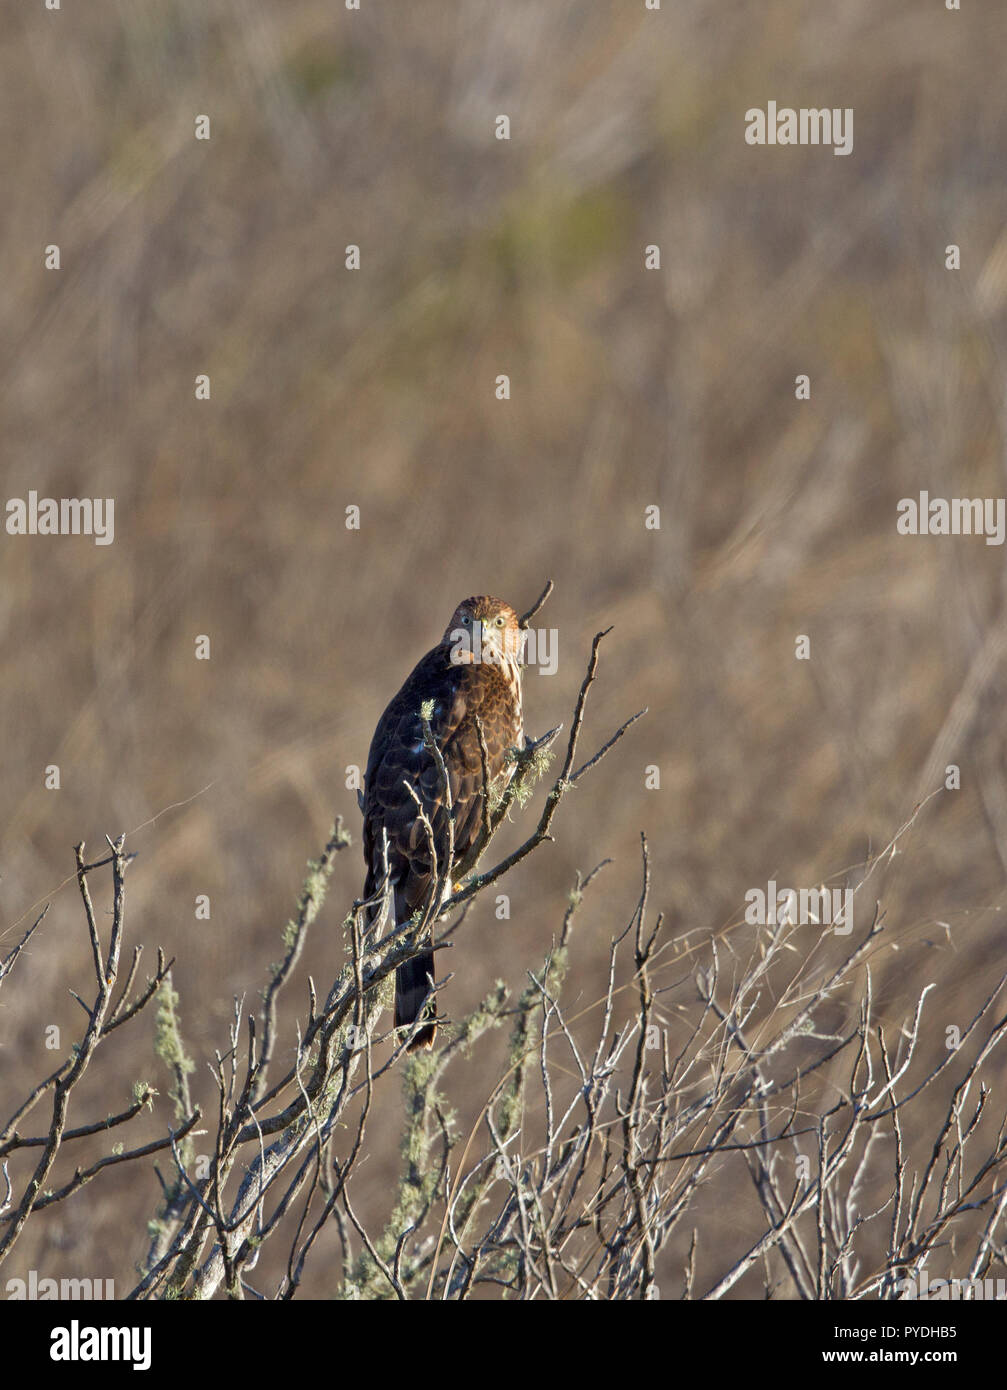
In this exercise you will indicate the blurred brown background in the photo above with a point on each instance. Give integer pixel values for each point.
(375, 388)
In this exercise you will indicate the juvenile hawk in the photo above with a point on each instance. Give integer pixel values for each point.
(474, 674)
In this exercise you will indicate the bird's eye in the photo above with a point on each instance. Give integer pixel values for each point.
(500, 620)
(465, 619)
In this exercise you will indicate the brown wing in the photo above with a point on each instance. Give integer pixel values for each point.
(458, 694)
(398, 756)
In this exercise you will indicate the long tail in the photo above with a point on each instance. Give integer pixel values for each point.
(412, 985)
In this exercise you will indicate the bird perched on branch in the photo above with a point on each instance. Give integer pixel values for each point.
(469, 682)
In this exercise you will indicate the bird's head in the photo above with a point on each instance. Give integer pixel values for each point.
(485, 629)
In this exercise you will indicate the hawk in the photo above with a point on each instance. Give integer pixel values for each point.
(471, 679)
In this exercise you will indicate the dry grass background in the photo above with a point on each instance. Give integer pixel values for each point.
(375, 388)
